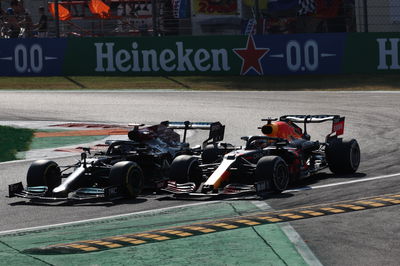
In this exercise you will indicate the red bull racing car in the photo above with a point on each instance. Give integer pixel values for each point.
(283, 154)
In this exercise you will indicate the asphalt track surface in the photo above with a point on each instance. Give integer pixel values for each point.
(370, 237)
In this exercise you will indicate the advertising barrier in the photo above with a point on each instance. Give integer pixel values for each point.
(32, 57)
(295, 54)
(372, 53)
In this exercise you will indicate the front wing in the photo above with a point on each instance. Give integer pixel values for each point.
(189, 190)
(40, 193)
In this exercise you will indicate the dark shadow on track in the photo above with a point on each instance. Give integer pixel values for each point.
(79, 203)
(323, 176)
(301, 185)
(177, 82)
(80, 85)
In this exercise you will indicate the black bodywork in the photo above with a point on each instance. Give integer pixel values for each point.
(125, 169)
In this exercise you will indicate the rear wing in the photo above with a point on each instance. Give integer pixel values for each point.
(309, 118)
(217, 130)
(337, 121)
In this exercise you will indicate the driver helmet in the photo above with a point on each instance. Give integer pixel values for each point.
(260, 143)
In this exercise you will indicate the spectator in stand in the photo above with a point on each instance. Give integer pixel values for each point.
(143, 29)
(41, 26)
(23, 18)
(349, 15)
(27, 25)
(1, 10)
(17, 8)
(331, 12)
(307, 22)
(75, 13)
(282, 17)
(12, 23)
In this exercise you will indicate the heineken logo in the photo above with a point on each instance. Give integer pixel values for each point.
(178, 59)
(251, 57)
(388, 53)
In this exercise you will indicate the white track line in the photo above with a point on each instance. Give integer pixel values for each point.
(187, 205)
(103, 218)
(343, 183)
(301, 247)
(34, 159)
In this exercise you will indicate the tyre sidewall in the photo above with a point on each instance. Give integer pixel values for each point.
(129, 176)
(44, 173)
(210, 154)
(343, 156)
(185, 168)
(274, 170)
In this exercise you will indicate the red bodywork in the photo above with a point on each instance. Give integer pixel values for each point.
(283, 130)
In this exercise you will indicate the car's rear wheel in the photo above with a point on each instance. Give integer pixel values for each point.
(343, 156)
(129, 176)
(44, 173)
(274, 170)
(185, 168)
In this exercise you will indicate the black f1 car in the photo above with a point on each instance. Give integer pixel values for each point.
(269, 162)
(123, 170)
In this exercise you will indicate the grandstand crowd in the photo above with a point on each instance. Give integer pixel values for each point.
(16, 21)
(135, 17)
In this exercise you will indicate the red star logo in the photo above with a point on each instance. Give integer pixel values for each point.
(251, 57)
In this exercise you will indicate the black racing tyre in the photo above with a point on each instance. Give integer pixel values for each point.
(185, 168)
(274, 170)
(210, 154)
(343, 156)
(129, 176)
(44, 173)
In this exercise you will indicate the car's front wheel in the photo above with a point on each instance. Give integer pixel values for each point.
(44, 173)
(210, 154)
(185, 168)
(129, 176)
(274, 171)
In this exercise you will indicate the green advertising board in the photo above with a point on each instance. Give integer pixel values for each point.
(372, 53)
(278, 54)
(153, 56)
(206, 55)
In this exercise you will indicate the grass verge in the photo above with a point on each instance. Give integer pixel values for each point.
(13, 140)
(295, 82)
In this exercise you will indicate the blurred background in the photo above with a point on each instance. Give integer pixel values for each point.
(96, 18)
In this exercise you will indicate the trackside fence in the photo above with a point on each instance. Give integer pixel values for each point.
(297, 54)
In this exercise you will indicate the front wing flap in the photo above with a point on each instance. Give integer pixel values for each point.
(31, 193)
(175, 188)
(40, 193)
(15, 189)
(187, 190)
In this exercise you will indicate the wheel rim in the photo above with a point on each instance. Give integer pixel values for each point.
(194, 173)
(133, 182)
(355, 156)
(281, 177)
(52, 176)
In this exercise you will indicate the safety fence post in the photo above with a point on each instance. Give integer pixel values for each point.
(365, 11)
(57, 18)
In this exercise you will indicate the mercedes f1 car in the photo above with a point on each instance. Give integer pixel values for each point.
(284, 154)
(123, 170)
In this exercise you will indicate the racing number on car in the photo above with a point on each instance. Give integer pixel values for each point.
(28, 59)
(302, 58)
